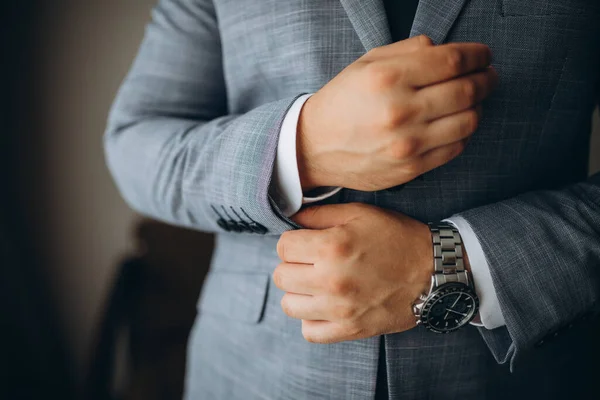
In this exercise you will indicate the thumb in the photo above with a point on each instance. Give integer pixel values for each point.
(327, 216)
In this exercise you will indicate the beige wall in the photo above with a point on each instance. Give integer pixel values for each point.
(84, 48)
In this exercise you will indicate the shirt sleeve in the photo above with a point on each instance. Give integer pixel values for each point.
(490, 314)
(288, 191)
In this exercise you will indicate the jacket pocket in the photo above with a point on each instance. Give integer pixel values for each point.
(238, 296)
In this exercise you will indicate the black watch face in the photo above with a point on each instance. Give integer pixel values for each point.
(450, 307)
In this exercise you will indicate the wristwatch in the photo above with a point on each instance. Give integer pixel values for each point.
(451, 302)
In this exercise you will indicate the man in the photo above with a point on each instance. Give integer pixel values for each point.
(236, 113)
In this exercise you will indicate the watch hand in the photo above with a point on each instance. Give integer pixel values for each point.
(456, 301)
(455, 312)
(452, 306)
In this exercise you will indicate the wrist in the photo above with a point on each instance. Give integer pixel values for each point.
(466, 259)
(452, 301)
(427, 268)
(308, 177)
(312, 174)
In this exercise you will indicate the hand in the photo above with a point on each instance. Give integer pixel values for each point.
(356, 274)
(394, 114)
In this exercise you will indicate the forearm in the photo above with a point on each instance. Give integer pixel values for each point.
(175, 151)
(543, 251)
(180, 170)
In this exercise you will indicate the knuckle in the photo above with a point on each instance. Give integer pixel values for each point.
(340, 286)
(285, 306)
(309, 336)
(380, 75)
(468, 91)
(454, 61)
(457, 149)
(340, 249)
(424, 40)
(394, 117)
(278, 278)
(471, 121)
(405, 148)
(312, 338)
(335, 286)
(281, 245)
(338, 245)
(426, 104)
(373, 53)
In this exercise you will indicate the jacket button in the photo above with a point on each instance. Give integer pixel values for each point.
(245, 226)
(223, 224)
(258, 228)
(236, 226)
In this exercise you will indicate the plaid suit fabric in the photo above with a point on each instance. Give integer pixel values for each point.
(194, 130)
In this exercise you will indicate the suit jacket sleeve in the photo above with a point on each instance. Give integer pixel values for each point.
(175, 152)
(543, 249)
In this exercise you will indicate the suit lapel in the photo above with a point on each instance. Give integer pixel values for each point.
(369, 21)
(434, 18)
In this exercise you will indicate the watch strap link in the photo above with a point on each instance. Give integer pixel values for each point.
(448, 255)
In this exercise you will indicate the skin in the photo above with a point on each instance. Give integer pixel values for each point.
(354, 272)
(394, 114)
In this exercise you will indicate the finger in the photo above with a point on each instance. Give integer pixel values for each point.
(451, 129)
(300, 246)
(455, 95)
(440, 63)
(399, 48)
(432, 159)
(327, 216)
(439, 156)
(297, 278)
(324, 332)
(302, 307)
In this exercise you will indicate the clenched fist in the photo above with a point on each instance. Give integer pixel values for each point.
(394, 114)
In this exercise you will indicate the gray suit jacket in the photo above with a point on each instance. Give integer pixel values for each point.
(192, 138)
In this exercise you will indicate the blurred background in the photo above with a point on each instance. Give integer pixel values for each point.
(65, 233)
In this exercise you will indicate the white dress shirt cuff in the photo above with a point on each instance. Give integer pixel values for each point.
(288, 190)
(490, 313)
